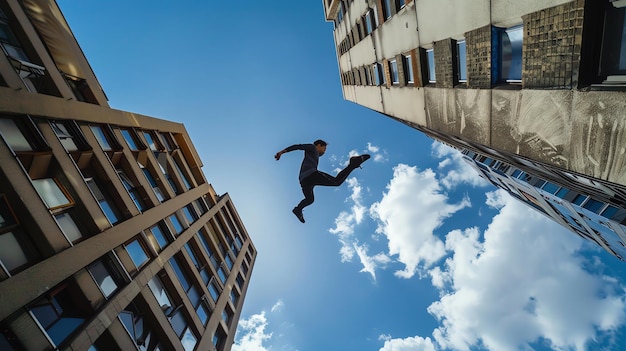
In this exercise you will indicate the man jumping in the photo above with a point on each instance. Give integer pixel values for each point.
(309, 175)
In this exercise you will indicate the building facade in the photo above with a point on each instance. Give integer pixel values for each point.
(111, 238)
(538, 85)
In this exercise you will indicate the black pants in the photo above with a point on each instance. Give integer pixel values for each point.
(321, 178)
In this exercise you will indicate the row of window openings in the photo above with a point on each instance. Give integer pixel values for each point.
(18, 142)
(33, 75)
(18, 252)
(584, 201)
(509, 67)
(56, 312)
(71, 137)
(367, 24)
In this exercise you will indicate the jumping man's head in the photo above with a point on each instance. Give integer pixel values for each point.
(321, 146)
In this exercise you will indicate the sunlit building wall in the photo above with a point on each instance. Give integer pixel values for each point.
(111, 238)
(540, 85)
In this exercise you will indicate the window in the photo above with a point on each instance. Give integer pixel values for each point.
(461, 55)
(68, 226)
(132, 189)
(66, 138)
(80, 88)
(106, 276)
(218, 338)
(379, 76)
(53, 195)
(168, 141)
(234, 297)
(222, 274)
(157, 237)
(131, 139)
(594, 205)
(106, 204)
(190, 213)
(386, 8)
(182, 175)
(151, 143)
(31, 74)
(430, 59)
(510, 54)
(22, 135)
(153, 183)
(139, 328)
(400, 4)
(407, 61)
(368, 22)
(201, 206)
(227, 315)
(102, 138)
(60, 312)
(161, 295)
(393, 71)
(192, 254)
(181, 327)
(14, 247)
(137, 253)
(613, 50)
(214, 290)
(178, 228)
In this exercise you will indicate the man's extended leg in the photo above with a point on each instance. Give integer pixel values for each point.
(309, 197)
(325, 179)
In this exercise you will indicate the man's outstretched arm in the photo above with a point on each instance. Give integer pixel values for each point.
(288, 149)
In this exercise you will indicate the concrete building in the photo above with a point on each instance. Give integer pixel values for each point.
(539, 85)
(111, 238)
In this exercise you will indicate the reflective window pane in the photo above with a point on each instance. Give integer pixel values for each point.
(68, 226)
(103, 278)
(462, 60)
(511, 54)
(98, 132)
(430, 57)
(11, 253)
(188, 340)
(129, 139)
(13, 135)
(158, 290)
(137, 253)
(50, 192)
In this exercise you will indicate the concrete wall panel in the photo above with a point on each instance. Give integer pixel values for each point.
(506, 13)
(369, 96)
(362, 54)
(460, 112)
(533, 123)
(441, 19)
(599, 127)
(397, 36)
(406, 103)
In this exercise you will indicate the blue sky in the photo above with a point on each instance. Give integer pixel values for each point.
(414, 252)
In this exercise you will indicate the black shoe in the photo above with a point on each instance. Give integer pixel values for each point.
(355, 161)
(298, 213)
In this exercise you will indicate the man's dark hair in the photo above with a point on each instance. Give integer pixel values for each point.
(320, 142)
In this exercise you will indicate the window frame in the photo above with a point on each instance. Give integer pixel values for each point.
(407, 62)
(430, 66)
(393, 72)
(461, 61)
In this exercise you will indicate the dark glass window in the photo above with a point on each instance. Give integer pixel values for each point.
(59, 313)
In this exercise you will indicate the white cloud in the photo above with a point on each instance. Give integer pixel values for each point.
(278, 306)
(523, 284)
(254, 334)
(370, 263)
(347, 220)
(409, 211)
(409, 344)
(460, 172)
